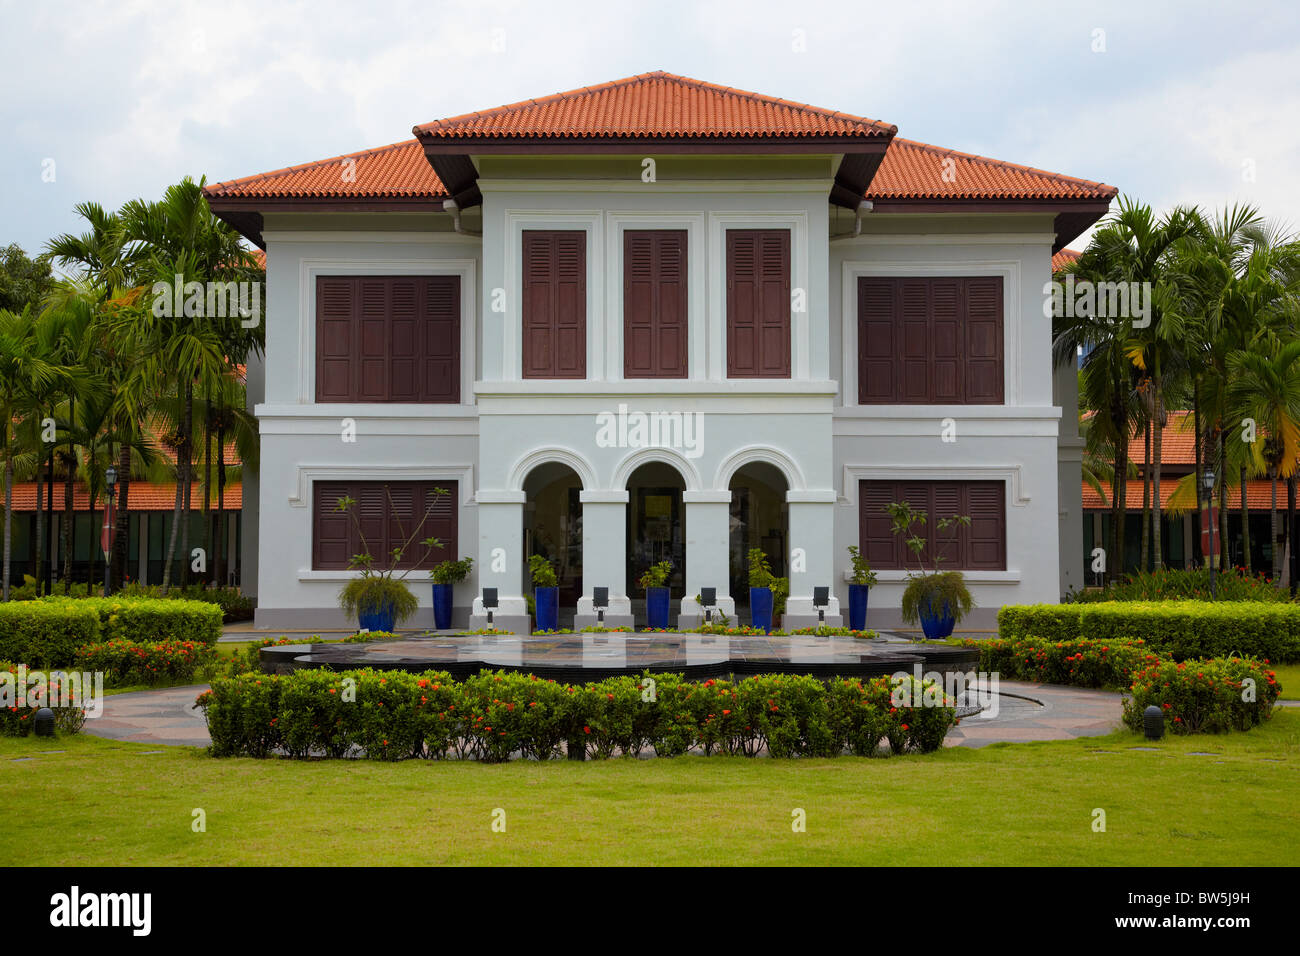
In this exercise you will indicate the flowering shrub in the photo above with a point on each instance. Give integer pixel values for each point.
(825, 630)
(147, 662)
(1177, 629)
(1165, 584)
(1209, 696)
(1080, 662)
(18, 718)
(494, 716)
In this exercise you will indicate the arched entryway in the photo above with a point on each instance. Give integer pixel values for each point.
(760, 518)
(656, 529)
(553, 529)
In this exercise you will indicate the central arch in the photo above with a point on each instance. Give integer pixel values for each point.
(552, 528)
(656, 528)
(759, 518)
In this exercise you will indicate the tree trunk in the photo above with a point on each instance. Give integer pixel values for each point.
(207, 488)
(69, 519)
(171, 540)
(1223, 506)
(1245, 523)
(1291, 534)
(221, 504)
(1197, 448)
(121, 549)
(1119, 506)
(1272, 527)
(1157, 552)
(1144, 552)
(8, 534)
(40, 532)
(187, 480)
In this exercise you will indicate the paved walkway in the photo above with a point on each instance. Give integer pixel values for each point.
(1025, 712)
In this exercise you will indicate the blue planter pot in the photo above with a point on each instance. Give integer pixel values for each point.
(858, 606)
(656, 607)
(442, 597)
(547, 601)
(381, 618)
(936, 622)
(760, 608)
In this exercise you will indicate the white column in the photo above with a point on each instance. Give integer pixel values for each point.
(812, 559)
(708, 536)
(500, 560)
(604, 557)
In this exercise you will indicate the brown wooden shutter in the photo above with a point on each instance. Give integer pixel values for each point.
(388, 339)
(654, 303)
(982, 546)
(758, 303)
(388, 513)
(926, 341)
(555, 304)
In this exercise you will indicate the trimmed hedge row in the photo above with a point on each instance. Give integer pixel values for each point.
(47, 632)
(1182, 630)
(147, 662)
(394, 715)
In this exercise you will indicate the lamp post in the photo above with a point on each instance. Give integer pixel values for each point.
(106, 539)
(1207, 482)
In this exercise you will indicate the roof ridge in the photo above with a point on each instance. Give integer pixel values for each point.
(564, 95)
(217, 188)
(976, 157)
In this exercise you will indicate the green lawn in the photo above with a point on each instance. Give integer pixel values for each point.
(1288, 675)
(103, 802)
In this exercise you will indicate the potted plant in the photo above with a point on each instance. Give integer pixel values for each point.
(762, 589)
(938, 599)
(546, 593)
(379, 597)
(445, 576)
(655, 581)
(863, 579)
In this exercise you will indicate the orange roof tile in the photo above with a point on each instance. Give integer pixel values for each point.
(397, 170)
(1177, 442)
(1063, 258)
(654, 105)
(1258, 495)
(912, 170)
(141, 496)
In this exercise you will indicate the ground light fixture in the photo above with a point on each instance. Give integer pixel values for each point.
(110, 482)
(600, 601)
(821, 600)
(708, 601)
(1153, 722)
(44, 724)
(1207, 482)
(489, 603)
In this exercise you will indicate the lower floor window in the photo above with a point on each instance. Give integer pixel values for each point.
(979, 546)
(386, 515)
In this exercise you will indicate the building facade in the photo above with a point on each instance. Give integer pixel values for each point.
(659, 320)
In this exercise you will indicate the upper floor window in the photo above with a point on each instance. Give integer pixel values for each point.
(388, 339)
(654, 303)
(555, 303)
(932, 340)
(758, 303)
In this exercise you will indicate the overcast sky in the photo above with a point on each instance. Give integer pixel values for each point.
(1171, 102)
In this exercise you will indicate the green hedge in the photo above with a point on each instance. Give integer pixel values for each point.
(1183, 630)
(1212, 696)
(125, 663)
(1078, 663)
(393, 715)
(47, 632)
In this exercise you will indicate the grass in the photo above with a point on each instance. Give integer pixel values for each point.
(1288, 675)
(1007, 804)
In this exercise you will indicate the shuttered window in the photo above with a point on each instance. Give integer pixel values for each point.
(980, 547)
(758, 303)
(389, 512)
(388, 339)
(930, 341)
(654, 303)
(555, 304)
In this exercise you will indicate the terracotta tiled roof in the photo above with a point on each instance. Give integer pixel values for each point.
(142, 496)
(912, 170)
(397, 170)
(1063, 258)
(1258, 495)
(654, 105)
(1177, 442)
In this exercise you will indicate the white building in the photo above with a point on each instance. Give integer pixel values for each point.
(659, 319)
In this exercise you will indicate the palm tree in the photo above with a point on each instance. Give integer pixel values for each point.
(183, 238)
(26, 376)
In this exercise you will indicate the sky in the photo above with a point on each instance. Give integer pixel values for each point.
(1173, 103)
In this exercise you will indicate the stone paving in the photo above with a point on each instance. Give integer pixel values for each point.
(1026, 712)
